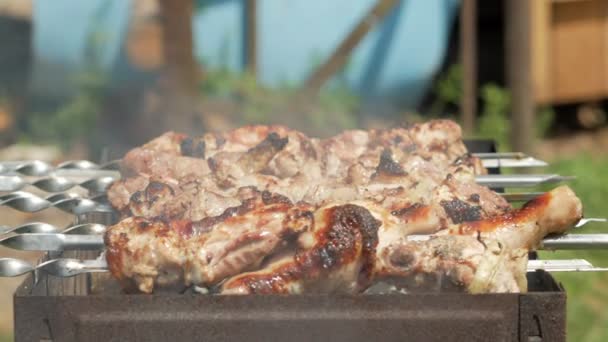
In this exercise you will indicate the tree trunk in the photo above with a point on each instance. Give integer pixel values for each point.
(180, 74)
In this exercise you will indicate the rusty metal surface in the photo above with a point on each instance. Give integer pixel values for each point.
(539, 315)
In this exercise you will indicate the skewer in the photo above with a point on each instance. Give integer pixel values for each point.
(507, 181)
(55, 183)
(491, 155)
(53, 242)
(92, 239)
(513, 162)
(586, 220)
(568, 265)
(10, 267)
(59, 184)
(562, 242)
(41, 168)
(38, 168)
(70, 203)
(575, 241)
(41, 227)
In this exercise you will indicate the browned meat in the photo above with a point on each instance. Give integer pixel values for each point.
(147, 254)
(551, 213)
(453, 263)
(338, 255)
(274, 157)
(265, 209)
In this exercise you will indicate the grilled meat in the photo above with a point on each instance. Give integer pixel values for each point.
(265, 209)
(553, 212)
(147, 254)
(337, 248)
(337, 255)
(288, 162)
(453, 262)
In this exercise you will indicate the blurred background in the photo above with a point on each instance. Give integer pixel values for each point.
(91, 79)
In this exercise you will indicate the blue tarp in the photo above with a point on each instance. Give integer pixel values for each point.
(397, 60)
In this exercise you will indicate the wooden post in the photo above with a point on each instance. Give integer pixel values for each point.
(180, 66)
(468, 60)
(251, 36)
(519, 73)
(340, 55)
(181, 73)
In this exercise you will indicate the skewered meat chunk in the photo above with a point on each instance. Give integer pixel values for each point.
(147, 254)
(412, 181)
(339, 248)
(553, 212)
(292, 161)
(452, 262)
(336, 256)
(496, 248)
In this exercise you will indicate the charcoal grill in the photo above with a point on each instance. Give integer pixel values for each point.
(91, 307)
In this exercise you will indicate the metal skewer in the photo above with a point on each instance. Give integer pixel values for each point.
(513, 162)
(55, 183)
(41, 168)
(53, 242)
(569, 265)
(70, 203)
(40, 227)
(506, 181)
(575, 241)
(71, 240)
(10, 267)
(491, 155)
(584, 221)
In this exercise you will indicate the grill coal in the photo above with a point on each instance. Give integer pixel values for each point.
(91, 307)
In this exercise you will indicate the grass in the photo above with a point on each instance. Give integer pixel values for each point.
(6, 338)
(587, 292)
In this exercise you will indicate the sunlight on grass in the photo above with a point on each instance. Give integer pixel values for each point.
(587, 292)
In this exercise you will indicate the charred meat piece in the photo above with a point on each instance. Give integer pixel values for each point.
(553, 212)
(338, 255)
(146, 254)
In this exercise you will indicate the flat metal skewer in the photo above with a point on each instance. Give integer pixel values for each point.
(513, 162)
(41, 227)
(10, 267)
(55, 183)
(492, 155)
(70, 203)
(575, 241)
(53, 242)
(566, 265)
(509, 181)
(41, 168)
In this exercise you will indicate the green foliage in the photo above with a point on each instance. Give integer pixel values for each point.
(334, 108)
(75, 120)
(495, 105)
(494, 121)
(448, 90)
(4, 337)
